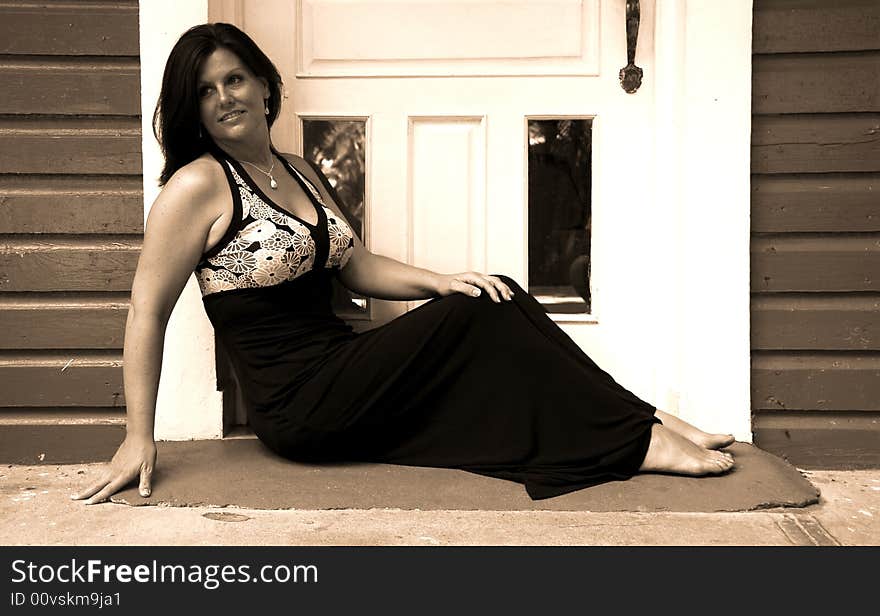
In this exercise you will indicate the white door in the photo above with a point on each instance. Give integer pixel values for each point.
(446, 90)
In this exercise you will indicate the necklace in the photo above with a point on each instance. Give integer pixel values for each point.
(272, 183)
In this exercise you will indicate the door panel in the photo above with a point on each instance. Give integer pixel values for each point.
(429, 37)
(447, 193)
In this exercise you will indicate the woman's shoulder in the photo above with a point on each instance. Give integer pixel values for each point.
(196, 188)
(199, 177)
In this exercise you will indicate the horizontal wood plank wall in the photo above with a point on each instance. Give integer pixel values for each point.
(71, 224)
(816, 231)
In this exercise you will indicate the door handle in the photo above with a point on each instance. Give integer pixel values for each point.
(631, 75)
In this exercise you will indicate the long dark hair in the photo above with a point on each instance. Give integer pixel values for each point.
(176, 121)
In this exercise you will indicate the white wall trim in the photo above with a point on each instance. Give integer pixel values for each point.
(668, 119)
(703, 124)
(189, 405)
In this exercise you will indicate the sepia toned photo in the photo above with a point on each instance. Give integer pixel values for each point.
(439, 273)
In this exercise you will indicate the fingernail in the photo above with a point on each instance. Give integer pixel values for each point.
(476, 292)
(145, 492)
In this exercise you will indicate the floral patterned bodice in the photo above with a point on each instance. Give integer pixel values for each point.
(265, 245)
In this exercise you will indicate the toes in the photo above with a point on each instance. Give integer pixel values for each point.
(726, 463)
(718, 461)
(723, 454)
(722, 466)
(719, 441)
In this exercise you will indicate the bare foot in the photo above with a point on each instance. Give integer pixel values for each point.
(670, 452)
(694, 434)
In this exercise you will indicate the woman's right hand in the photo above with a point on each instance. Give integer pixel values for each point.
(175, 236)
(135, 459)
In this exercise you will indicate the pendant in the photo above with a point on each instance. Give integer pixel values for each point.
(273, 183)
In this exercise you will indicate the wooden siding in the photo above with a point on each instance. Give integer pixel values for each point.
(821, 440)
(816, 322)
(74, 146)
(93, 29)
(816, 83)
(830, 202)
(74, 204)
(816, 231)
(56, 264)
(817, 262)
(805, 26)
(65, 87)
(72, 379)
(62, 320)
(71, 224)
(816, 381)
(816, 143)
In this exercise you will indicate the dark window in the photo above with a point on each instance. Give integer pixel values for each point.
(337, 146)
(560, 160)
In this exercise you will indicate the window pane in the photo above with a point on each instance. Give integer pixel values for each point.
(560, 153)
(337, 146)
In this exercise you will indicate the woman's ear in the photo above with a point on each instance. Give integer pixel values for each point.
(266, 92)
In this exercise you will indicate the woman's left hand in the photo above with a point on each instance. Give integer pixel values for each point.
(474, 283)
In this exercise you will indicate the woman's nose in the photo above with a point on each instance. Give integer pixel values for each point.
(224, 95)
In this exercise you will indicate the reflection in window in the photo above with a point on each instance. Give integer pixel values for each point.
(337, 146)
(560, 154)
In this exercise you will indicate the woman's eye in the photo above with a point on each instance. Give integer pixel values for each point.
(235, 79)
(203, 92)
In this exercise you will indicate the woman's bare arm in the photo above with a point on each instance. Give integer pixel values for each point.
(381, 277)
(176, 232)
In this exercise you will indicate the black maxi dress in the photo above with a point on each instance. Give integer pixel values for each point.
(460, 382)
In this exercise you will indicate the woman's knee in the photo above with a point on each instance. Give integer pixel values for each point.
(510, 282)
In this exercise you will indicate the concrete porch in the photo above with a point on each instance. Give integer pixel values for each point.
(37, 511)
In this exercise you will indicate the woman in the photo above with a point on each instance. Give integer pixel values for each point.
(479, 379)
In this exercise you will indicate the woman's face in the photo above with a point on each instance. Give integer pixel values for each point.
(231, 98)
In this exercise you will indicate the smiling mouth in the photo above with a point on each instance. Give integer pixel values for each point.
(231, 115)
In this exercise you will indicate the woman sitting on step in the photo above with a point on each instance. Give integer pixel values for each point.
(479, 378)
